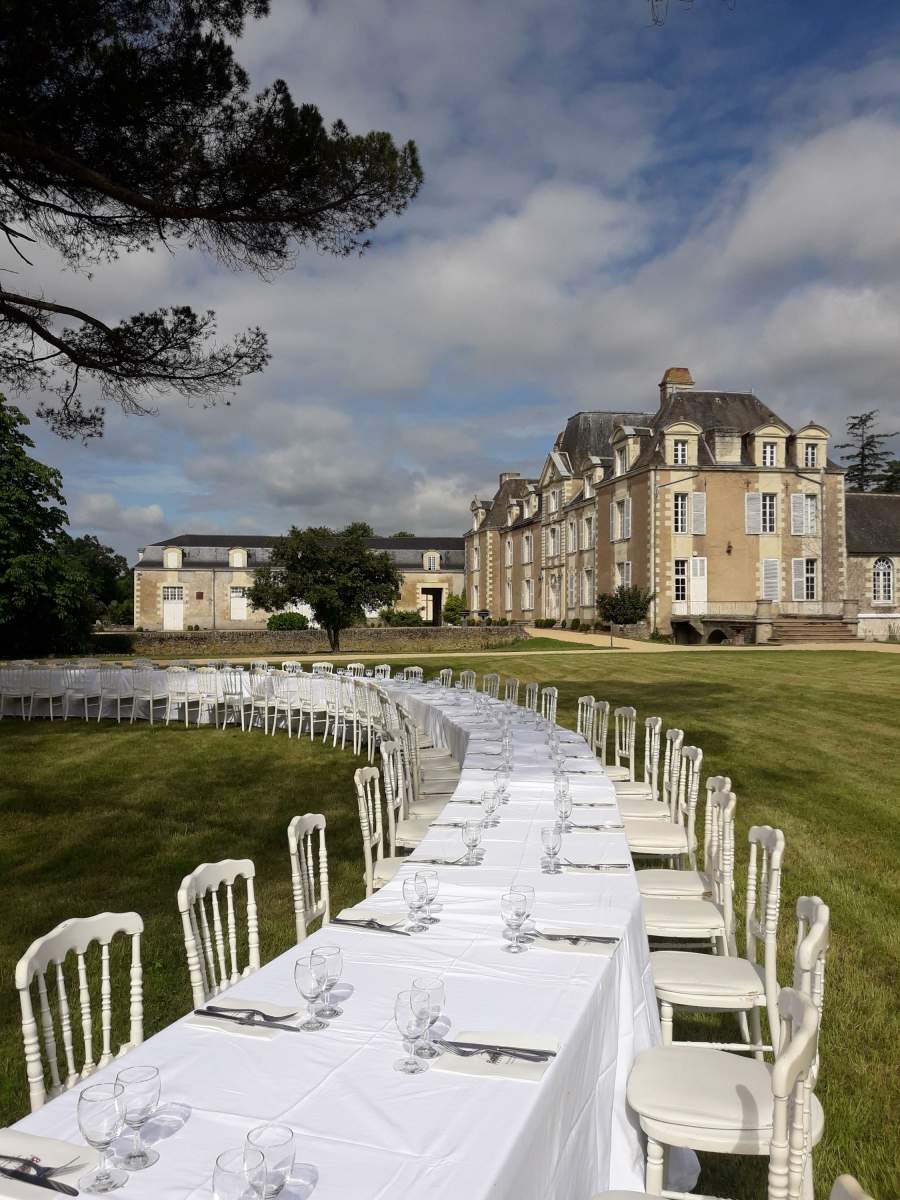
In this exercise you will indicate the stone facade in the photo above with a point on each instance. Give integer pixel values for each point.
(873, 562)
(202, 579)
(712, 502)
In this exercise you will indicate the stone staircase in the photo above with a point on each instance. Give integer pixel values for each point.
(795, 630)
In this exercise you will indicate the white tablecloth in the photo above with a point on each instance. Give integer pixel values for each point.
(374, 1133)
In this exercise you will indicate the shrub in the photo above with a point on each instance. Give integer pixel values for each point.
(625, 606)
(503, 621)
(562, 624)
(544, 623)
(488, 620)
(401, 616)
(288, 620)
(453, 608)
(575, 623)
(598, 626)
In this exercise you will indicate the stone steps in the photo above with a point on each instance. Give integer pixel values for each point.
(794, 630)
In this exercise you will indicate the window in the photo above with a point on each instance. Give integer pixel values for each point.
(804, 576)
(527, 594)
(587, 587)
(770, 454)
(623, 574)
(810, 455)
(771, 579)
(572, 543)
(173, 593)
(554, 500)
(760, 512)
(621, 461)
(698, 513)
(237, 558)
(432, 562)
(769, 502)
(680, 579)
(475, 597)
(803, 513)
(680, 452)
(553, 541)
(587, 530)
(620, 520)
(476, 558)
(526, 548)
(509, 552)
(883, 581)
(570, 588)
(588, 490)
(680, 513)
(508, 595)
(172, 559)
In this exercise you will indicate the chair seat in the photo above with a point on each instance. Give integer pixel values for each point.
(655, 837)
(701, 979)
(633, 787)
(411, 830)
(438, 787)
(685, 885)
(432, 755)
(707, 1099)
(687, 918)
(427, 810)
(385, 870)
(617, 774)
(638, 808)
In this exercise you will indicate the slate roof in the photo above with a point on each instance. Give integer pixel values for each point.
(873, 523)
(205, 551)
(510, 489)
(588, 435)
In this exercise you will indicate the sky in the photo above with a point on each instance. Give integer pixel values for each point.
(603, 199)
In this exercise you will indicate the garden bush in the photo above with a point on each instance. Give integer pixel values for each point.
(544, 623)
(288, 620)
(625, 606)
(401, 616)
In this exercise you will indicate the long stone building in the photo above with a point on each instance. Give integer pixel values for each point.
(203, 579)
(731, 517)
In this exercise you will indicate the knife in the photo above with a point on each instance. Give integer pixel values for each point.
(53, 1185)
(533, 1055)
(370, 923)
(596, 828)
(597, 866)
(239, 1020)
(601, 939)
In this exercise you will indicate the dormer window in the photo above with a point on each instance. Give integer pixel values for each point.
(622, 460)
(679, 452)
(770, 454)
(588, 490)
(810, 456)
(432, 561)
(172, 558)
(554, 500)
(237, 558)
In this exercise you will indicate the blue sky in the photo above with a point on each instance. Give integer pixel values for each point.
(603, 199)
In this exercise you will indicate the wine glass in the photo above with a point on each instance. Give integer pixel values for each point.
(433, 991)
(527, 925)
(411, 1014)
(310, 974)
(415, 893)
(512, 910)
(471, 834)
(489, 803)
(101, 1117)
(239, 1174)
(141, 1086)
(432, 882)
(551, 840)
(276, 1144)
(335, 961)
(562, 802)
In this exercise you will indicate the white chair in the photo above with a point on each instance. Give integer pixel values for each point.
(404, 828)
(634, 796)
(549, 700)
(149, 688)
(314, 693)
(81, 686)
(262, 699)
(585, 720)
(286, 702)
(115, 686)
(14, 688)
(648, 787)
(46, 684)
(690, 883)
(511, 690)
(467, 680)
(181, 694)
(92, 664)
(723, 1103)
(445, 675)
(208, 691)
(531, 696)
(323, 668)
(490, 685)
(383, 671)
(601, 727)
(624, 736)
(675, 838)
(413, 674)
(709, 919)
(365, 719)
(335, 710)
(260, 664)
(47, 955)
(234, 698)
(309, 871)
(742, 985)
(204, 939)
(379, 869)
(356, 668)
(847, 1188)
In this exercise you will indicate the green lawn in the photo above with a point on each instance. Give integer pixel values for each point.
(111, 818)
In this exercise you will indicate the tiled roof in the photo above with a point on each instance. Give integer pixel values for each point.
(873, 523)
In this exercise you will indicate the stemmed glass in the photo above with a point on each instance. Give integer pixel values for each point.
(239, 1174)
(335, 961)
(433, 991)
(141, 1086)
(501, 782)
(528, 925)
(276, 1144)
(471, 835)
(101, 1116)
(411, 1014)
(432, 882)
(415, 893)
(310, 974)
(551, 840)
(512, 910)
(489, 803)
(562, 802)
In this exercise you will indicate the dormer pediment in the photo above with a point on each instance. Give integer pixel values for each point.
(556, 469)
(771, 429)
(677, 428)
(812, 430)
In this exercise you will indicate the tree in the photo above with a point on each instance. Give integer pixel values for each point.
(100, 563)
(128, 125)
(332, 571)
(625, 606)
(890, 479)
(401, 533)
(45, 602)
(453, 609)
(867, 458)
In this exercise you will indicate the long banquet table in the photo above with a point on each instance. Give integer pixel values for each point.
(372, 1132)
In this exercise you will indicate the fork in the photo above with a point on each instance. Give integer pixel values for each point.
(29, 1164)
(252, 1012)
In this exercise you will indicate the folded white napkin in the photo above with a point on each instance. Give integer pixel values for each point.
(605, 949)
(385, 916)
(279, 1011)
(479, 1064)
(47, 1152)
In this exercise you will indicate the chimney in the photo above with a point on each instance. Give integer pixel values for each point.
(675, 379)
(505, 476)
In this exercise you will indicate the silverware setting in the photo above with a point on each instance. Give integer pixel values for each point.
(447, 862)
(41, 1181)
(597, 828)
(596, 866)
(575, 939)
(250, 1012)
(238, 1019)
(39, 1169)
(371, 923)
(495, 1054)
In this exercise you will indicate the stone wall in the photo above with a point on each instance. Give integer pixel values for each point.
(361, 640)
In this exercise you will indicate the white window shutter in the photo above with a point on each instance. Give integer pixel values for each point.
(798, 577)
(753, 512)
(811, 514)
(698, 512)
(798, 513)
(626, 518)
(771, 572)
(612, 520)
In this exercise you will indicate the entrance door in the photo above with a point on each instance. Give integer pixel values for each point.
(238, 604)
(698, 586)
(173, 608)
(433, 598)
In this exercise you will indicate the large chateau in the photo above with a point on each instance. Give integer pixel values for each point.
(735, 521)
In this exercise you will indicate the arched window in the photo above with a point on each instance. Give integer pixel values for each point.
(172, 558)
(883, 581)
(431, 561)
(237, 557)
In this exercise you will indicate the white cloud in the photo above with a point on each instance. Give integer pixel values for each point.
(101, 513)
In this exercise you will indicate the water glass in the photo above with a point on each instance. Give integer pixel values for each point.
(335, 961)
(512, 910)
(471, 834)
(411, 1014)
(101, 1117)
(239, 1174)
(431, 993)
(528, 925)
(141, 1086)
(490, 801)
(310, 974)
(562, 802)
(415, 893)
(276, 1144)
(551, 840)
(432, 882)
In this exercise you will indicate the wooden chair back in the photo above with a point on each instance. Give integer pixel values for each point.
(309, 871)
(201, 898)
(368, 796)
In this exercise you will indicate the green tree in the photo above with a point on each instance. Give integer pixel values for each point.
(128, 125)
(332, 571)
(867, 458)
(105, 570)
(45, 603)
(890, 478)
(453, 608)
(625, 606)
